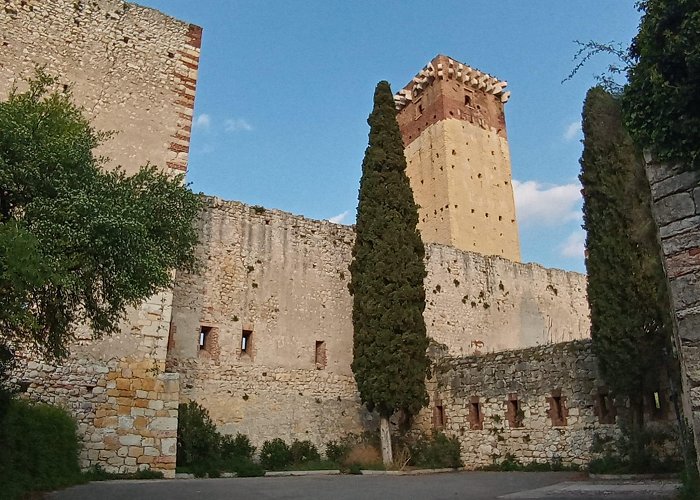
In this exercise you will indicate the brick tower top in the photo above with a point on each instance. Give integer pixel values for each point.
(453, 126)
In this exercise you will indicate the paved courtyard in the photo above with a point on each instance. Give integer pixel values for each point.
(455, 485)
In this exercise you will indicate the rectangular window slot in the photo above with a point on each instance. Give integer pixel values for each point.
(557, 409)
(476, 417)
(320, 355)
(247, 342)
(659, 405)
(204, 337)
(604, 406)
(514, 411)
(439, 417)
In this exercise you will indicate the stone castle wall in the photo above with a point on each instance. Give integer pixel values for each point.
(543, 404)
(675, 195)
(281, 280)
(134, 71)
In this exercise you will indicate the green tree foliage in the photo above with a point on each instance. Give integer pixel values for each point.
(626, 288)
(390, 362)
(78, 245)
(662, 98)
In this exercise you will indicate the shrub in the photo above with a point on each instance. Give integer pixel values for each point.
(436, 452)
(275, 455)
(198, 442)
(336, 451)
(304, 451)
(236, 447)
(38, 449)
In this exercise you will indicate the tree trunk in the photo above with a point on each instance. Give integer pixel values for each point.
(385, 437)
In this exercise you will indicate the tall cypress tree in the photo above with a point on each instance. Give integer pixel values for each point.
(626, 288)
(389, 356)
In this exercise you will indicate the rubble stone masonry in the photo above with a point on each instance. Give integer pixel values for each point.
(280, 281)
(675, 193)
(542, 404)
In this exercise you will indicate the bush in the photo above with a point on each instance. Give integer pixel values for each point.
(303, 452)
(436, 452)
(336, 451)
(198, 441)
(233, 448)
(275, 455)
(38, 449)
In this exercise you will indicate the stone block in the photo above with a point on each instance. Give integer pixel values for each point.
(163, 424)
(135, 451)
(130, 440)
(168, 446)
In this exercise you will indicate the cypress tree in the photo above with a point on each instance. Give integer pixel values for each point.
(389, 349)
(626, 288)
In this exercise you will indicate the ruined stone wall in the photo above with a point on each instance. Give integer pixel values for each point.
(281, 280)
(134, 71)
(675, 194)
(453, 126)
(542, 404)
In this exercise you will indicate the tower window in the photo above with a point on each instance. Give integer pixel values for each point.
(247, 342)
(467, 100)
(204, 337)
(320, 355)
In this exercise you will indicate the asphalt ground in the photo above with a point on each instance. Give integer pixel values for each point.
(454, 485)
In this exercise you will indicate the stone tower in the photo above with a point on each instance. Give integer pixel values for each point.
(454, 133)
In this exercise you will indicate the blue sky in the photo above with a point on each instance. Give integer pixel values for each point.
(285, 89)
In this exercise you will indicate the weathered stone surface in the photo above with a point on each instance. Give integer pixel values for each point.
(678, 227)
(680, 243)
(532, 377)
(674, 184)
(283, 279)
(674, 207)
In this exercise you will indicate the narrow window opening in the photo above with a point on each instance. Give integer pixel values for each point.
(320, 355)
(476, 417)
(557, 408)
(604, 407)
(514, 411)
(246, 342)
(467, 100)
(204, 338)
(659, 406)
(439, 417)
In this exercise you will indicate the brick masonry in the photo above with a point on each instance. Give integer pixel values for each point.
(675, 194)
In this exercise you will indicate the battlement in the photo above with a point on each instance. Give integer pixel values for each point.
(445, 68)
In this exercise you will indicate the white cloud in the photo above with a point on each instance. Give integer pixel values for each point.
(547, 204)
(574, 246)
(237, 125)
(340, 218)
(573, 130)
(202, 121)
